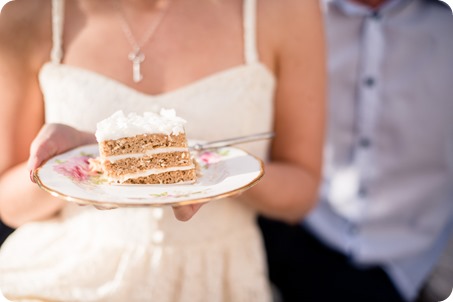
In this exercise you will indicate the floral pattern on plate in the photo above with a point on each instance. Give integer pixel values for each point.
(209, 157)
(81, 168)
(76, 176)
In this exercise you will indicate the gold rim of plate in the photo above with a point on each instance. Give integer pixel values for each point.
(114, 204)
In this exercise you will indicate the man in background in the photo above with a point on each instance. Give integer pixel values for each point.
(385, 209)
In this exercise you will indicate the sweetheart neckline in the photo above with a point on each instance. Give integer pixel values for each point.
(165, 93)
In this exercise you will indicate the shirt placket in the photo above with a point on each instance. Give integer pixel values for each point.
(368, 107)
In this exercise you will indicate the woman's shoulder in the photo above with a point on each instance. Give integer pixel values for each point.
(284, 23)
(284, 10)
(25, 15)
(288, 16)
(25, 26)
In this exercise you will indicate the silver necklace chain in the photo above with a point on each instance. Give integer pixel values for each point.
(137, 56)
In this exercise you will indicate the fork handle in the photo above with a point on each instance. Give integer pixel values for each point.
(233, 141)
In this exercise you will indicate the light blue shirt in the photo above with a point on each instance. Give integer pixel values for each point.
(387, 194)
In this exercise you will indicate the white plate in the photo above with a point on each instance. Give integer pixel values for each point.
(224, 172)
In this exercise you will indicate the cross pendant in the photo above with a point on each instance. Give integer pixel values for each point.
(137, 57)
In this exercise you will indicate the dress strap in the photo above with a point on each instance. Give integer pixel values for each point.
(56, 54)
(250, 47)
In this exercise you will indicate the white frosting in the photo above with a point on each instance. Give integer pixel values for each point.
(119, 125)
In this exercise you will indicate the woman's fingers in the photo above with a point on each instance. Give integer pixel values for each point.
(54, 139)
(40, 151)
(184, 213)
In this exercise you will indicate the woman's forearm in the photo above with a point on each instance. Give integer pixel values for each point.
(22, 201)
(286, 192)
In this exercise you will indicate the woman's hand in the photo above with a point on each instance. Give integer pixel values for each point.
(184, 213)
(54, 139)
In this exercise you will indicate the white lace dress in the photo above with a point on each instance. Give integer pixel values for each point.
(145, 254)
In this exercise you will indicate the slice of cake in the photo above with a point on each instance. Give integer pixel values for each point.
(145, 149)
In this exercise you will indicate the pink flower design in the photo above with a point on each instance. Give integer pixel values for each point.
(76, 168)
(206, 158)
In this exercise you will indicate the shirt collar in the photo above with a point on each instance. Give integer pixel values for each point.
(356, 9)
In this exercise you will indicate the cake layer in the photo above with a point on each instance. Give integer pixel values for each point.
(169, 176)
(147, 162)
(187, 176)
(152, 152)
(141, 143)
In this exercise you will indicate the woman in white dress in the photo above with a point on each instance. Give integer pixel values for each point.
(230, 68)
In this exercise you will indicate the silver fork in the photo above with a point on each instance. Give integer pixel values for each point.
(231, 141)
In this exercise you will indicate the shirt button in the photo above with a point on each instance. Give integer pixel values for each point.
(158, 237)
(353, 230)
(375, 15)
(364, 142)
(363, 192)
(369, 82)
(157, 213)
